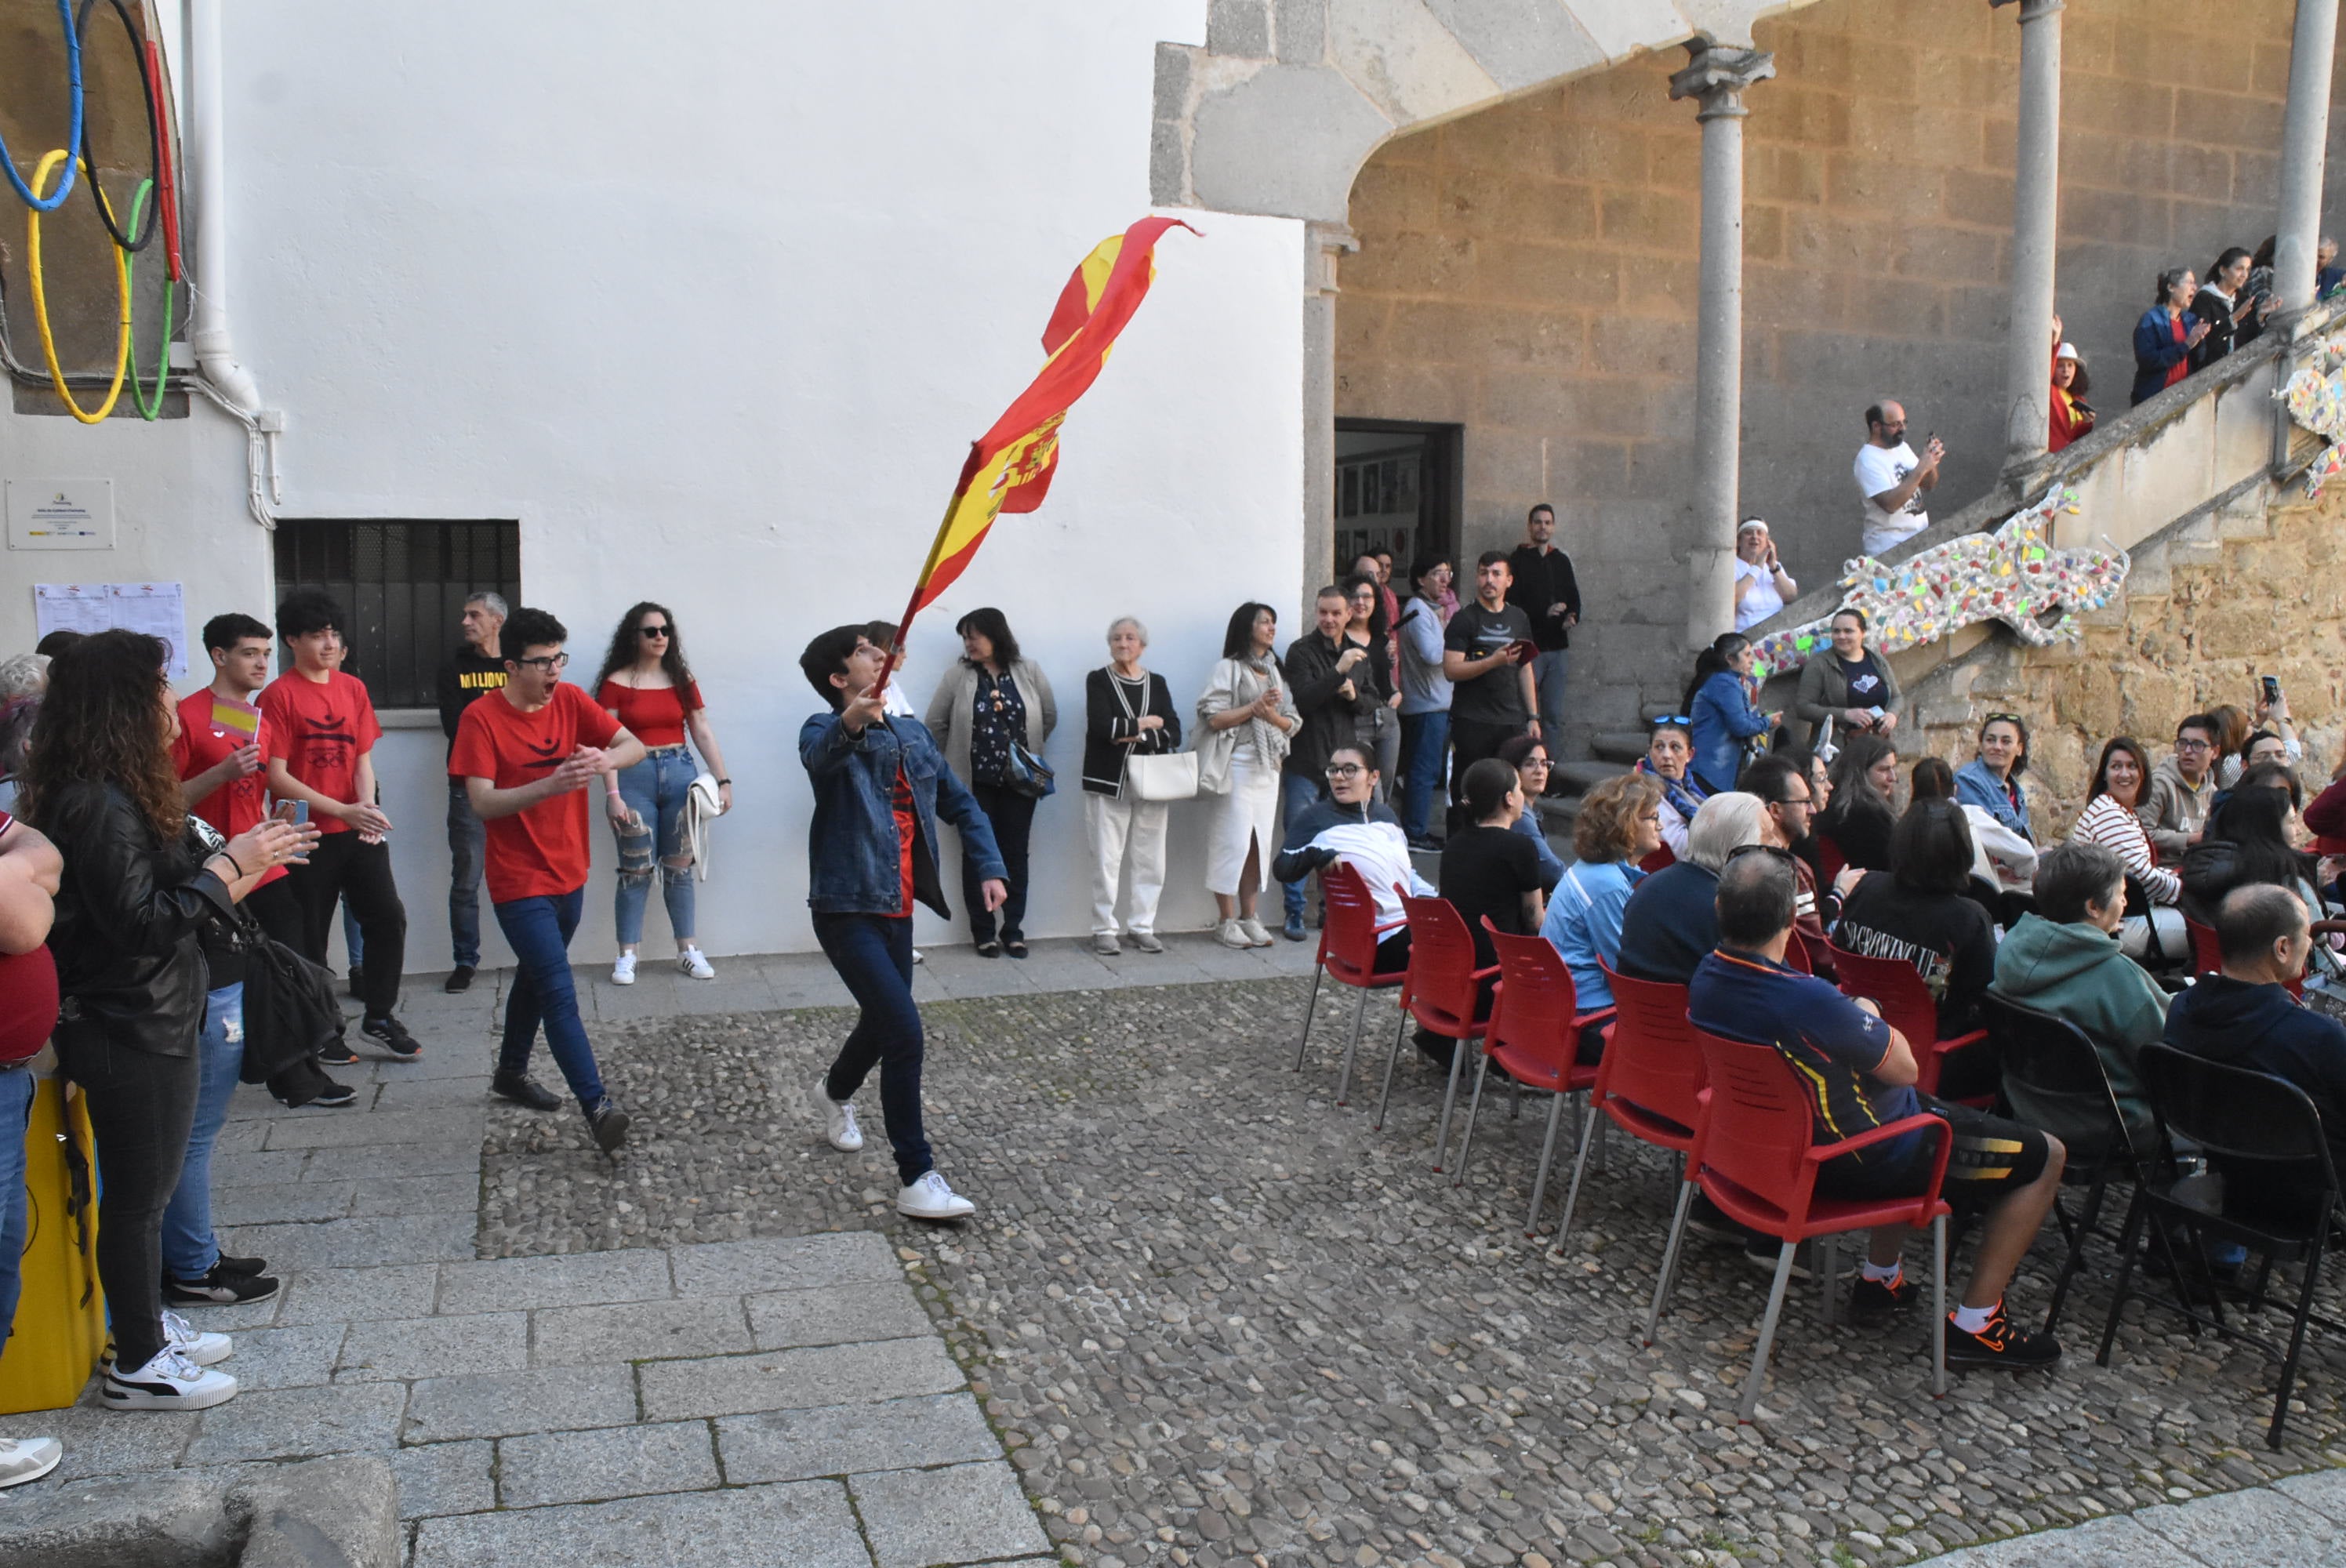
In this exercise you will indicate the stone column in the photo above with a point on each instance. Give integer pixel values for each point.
(2304, 136)
(1323, 243)
(1715, 77)
(2035, 209)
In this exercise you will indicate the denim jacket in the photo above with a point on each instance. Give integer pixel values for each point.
(852, 861)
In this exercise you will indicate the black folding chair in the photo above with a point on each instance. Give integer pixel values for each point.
(2054, 1079)
(2251, 1125)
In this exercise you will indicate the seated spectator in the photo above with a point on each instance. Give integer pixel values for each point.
(1780, 782)
(2166, 335)
(1670, 923)
(1811, 768)
(1931, 779)
(1861, 1074)
(2072, 415)
(2264, 746)
(1489, 869)
(2250, 842)
(1619, 825)
(2325, 815)
(2235, 317)
(2109, 822)
(1527, 755)
(1991, 780)
(1846, 689)
(1762, 587)
(1357, 830)
(1857, 819)
(1720, 718)
(2245, 1017)
(2182, 788)
(1891, 481)
(26, 675)
(1665, 759)
(1920, 912)
(2065, 958)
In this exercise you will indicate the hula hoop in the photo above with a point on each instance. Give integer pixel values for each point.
(41, 305)
(154, 133)
(72, 132)
(170, 293)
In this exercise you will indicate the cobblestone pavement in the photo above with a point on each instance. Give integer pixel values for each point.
(1220, 1319)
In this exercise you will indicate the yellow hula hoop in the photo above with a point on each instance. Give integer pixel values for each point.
(41, 303)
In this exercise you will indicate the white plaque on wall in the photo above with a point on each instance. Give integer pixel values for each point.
(61, 514)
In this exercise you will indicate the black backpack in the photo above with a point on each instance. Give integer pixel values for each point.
(290, 1007)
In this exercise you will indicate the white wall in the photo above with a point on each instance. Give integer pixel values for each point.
(713, 305)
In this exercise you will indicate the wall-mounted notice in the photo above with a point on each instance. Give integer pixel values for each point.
(61, 514)
(158, 609)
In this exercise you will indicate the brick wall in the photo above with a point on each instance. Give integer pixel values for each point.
(1529, 273)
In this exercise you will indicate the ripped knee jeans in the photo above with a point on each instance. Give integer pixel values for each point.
(655, 789)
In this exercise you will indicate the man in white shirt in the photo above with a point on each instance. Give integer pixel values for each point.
(1892, 479)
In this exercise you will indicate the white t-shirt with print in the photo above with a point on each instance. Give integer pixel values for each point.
(1881, 468)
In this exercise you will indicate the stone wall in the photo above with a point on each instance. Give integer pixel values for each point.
(1529, 273)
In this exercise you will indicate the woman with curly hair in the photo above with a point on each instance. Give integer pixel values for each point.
(646, 684)
(141, 879)
(1619, 824)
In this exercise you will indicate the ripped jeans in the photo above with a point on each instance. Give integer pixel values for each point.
(654, 789)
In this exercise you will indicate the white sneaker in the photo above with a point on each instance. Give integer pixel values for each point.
(694, 962)
(623, 971)
(169, 1382)
(1256, 934)
(840, 1121)
(931, 1198)
(28, 1459)
(203, 1348)
(916, 955)
(1230, 934)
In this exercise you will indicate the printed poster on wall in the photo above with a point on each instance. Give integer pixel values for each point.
(158, 609)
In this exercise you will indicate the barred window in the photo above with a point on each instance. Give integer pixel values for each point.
(403, 585)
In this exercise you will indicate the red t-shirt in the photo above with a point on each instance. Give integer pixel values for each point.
(907, 828)
(654, 715)
(234, 808)
(541, 852)
(29, 993)
(320, 729)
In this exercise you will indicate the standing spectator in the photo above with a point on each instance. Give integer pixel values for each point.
(1721, 721)
(1127, 712)
(1619, 825)
(538, 855)
(1762, 587)
(138, 882)
(1861, 810)
(2109, 822)
(1353, 828)
(879, 786)
(29, 871)
(647, 684)
(1377, 710)
(1892, 480)
(1667, 757)
(1246, 721)
(220, 761)
(23, 675)
(2182, 788)
(1486, 652)
(2234, 316)
(1425, 698)
(2328, 275)
(2072, 417)
(1920, 912)
(2165, 336)
(1527, 755)
(1849, 686)
(318, 732)
(478, 665)
(1329, 674)
(1446, 594)
(990, 701)
(1991, 780)
(56, 642)
(1376, 566)
(1541, 585)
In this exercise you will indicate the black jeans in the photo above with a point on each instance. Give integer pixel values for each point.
(142, 1108)
(280, 913)
(1013, 816)
(874, 954)
(359, 873)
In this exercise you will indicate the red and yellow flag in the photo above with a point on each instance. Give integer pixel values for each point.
(1009, 467)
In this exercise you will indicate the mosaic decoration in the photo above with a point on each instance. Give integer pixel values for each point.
(2012, 574)
(2316, 400)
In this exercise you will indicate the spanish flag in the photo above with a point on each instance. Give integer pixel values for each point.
(1009, 467)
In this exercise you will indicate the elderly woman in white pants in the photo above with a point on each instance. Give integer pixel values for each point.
(1245, 721)
(1127, 713)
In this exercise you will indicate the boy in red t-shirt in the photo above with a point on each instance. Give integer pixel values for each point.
(318, 732)
(526, 753)
(222, 773)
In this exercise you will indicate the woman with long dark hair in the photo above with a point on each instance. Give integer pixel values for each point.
(2235, 317)
(1858, 821)
(989, 703)
(1991, 780)
(646, 684)
(1246, 720)
(2121, 780)
(141, 879)
(2249, 840)
(1720, 718)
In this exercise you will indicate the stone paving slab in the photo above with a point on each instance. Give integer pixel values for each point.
(782, 1318)
(295, 1423)
(614, 1462)
(959, 1514)
(790, 1263)
(446, 1478)
(641, 1331)
(354, 1243)
(434, 1348)
(353, 1295)
(513, 1283)
(788, 1380)
(401, 1128)
(839, 1439)
(806, 1524)
(511, 1404)
(442, 1154)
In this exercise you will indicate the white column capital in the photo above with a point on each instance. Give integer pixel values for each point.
(2033, 10)
(1326, 242)
(1717, 75)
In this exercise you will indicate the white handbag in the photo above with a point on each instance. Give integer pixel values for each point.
(1151, 776)
(702, 806)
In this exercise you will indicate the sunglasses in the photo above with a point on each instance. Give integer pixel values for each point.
(647, 633)
(1779, 851)
(2011, 718)
(1680, 719)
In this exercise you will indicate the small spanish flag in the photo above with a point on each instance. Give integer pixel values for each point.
(240, 718)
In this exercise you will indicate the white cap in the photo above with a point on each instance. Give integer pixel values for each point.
(2066, 351)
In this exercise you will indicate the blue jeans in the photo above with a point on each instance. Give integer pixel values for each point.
(189, 1246)
(351, 940)
(1547, 679)
(655, 789)
(15, 1118)
(874, 954)
(467, 847)
(538, 930)
(1296, 796)
(1424, 738)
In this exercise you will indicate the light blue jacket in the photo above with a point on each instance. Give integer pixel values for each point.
(1583, 925)
(1723, 719)
(1423, 687)
(1976, 786)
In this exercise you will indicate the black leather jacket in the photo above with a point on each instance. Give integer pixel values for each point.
(129, 922)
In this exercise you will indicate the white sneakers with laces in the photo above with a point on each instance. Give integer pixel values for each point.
(695, 962)
(205, 1349)
(623, 970)
(930, 1199)
(839, 1122)
(1230, 933)
(1256, 934)
(169, 1382)
(27, 1459)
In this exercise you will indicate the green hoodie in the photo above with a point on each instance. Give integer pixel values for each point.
(2076, 972)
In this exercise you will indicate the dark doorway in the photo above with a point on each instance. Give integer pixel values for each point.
(1397, 488)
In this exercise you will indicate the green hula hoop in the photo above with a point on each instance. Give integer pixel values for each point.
(146, 410)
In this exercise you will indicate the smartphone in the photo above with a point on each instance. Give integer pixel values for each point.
(298, 813)
(2272, 689)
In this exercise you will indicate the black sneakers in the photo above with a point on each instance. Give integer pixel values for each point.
(609, 1125)
(337, 1053)
(335, 1095)
(1999, 1344)
(460, 980)
(522, 1090)
(393, 1036)
(1880, 1298)
(222, 1286)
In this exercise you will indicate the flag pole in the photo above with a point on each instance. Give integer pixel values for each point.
(936, 548)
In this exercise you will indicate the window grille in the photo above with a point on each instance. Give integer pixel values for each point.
(403, 585)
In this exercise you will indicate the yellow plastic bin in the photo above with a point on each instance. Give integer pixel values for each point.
(61, 1315)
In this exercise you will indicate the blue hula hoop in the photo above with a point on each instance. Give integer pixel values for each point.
(73, 136)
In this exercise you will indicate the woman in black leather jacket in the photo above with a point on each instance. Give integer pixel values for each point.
(136, 891)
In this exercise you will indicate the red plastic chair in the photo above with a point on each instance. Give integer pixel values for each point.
(1661, 859)
(1348, 935)
(1896, 987)
(1752, 1157)
(1829, 857)
(1648, 1083)
(1441, 993)
(1796, 954)
(1535, 1038)
(2208, 954)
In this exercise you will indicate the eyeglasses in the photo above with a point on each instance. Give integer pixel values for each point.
(1803, 802)
(550, 661)
(1530, 764)
(1344, 769)
(2183, 745)
(1777, 850)
(647, 633)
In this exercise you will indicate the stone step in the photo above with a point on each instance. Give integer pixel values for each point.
(1579, 776)
(1556, 812)
(1620, 745)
